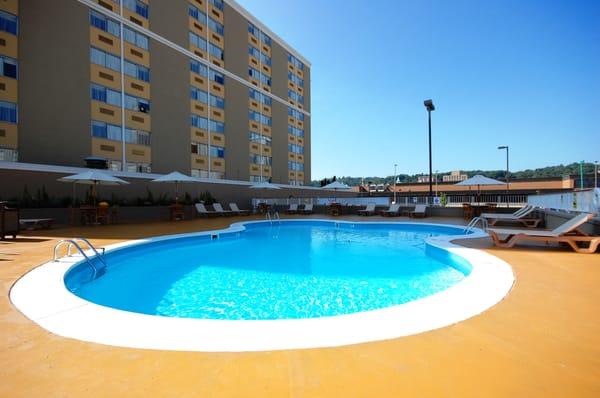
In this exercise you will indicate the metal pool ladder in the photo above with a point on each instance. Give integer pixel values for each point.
(75, 243)
(474, 221)
(273, 218)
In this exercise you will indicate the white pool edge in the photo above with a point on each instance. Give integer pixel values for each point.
(42, 297)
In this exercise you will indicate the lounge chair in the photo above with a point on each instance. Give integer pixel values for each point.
(220, 211)
(419, 211)
(308, 209)
(367, 211)
(394, 210)
(235, 209)
(202, 210)
(519, 216)
(567, 232)
(293, 209)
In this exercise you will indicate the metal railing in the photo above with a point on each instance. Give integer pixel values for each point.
(74, 243)
(474, 222)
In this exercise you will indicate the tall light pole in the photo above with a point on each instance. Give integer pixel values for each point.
(430, 107)
(581, 175)
(395, 165)
(436, 182)
(507, 186)
(596, 174)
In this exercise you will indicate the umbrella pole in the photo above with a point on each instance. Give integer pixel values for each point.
(176, 191)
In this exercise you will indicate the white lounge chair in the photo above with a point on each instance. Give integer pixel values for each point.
(394, 210)
(201, 209)
(293, 209)
(419, 211)
(219, 210)
(567, 232)
(519, 216)
(308, 209)
(369, 210)
(235, 209)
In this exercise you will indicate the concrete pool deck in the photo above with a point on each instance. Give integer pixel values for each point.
(543, 339)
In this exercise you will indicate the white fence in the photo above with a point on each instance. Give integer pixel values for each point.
(588, 201)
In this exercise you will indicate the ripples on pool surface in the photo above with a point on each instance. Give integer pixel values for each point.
(294, 270)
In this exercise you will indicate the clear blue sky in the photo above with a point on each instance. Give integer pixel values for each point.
(504, 72)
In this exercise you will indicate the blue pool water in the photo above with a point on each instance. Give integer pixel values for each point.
(291, 270)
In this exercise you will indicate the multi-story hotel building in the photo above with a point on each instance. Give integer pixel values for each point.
(199, 86)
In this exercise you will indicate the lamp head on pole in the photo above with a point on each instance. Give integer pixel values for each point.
(429, 105)
(503, 147)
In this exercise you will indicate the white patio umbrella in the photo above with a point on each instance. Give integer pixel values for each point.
(264, 186)
(479, 180)
(175, 177)
(93, 178)
(337, 186)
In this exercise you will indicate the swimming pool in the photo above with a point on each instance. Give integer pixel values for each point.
(285, 270)
(256, 286)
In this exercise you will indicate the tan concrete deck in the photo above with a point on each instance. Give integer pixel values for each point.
(542, 340)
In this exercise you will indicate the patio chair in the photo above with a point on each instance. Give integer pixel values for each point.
(220, 211)
(369, 210)
(293, 209)
(394, 210)
(308, 209)
(201, 210)
(419, 211)
(567, 232)
(235, 209)
(519, 216)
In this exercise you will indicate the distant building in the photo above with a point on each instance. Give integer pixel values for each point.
(423, 179)
(454, 176)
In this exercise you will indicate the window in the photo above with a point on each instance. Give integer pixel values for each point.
(217, 3)
(9, 23)
(295, 61)
(199, 173)
(106, 131)
(8, 112)
(261, 159)
(263, 38)
(136, 104)
(295, 131)
(135, 38)
(265, 59)
(259, 76)
(215, 26)
(217, 152)
(294, 148)
(259, 117)
(105, 59)
(197, 41)
(295, 166)
(259, 138)
(254, 178)
(217, 77)
(137, 71)
(9, 155)
(199, 149)
(138, 167)
(295, 96)
(216, 51)
(197, 14)
(217, 127)
(198, 68)
(105, 94)
(8, 67)
(266, 100)
(217, 102)
(137, 6)
(199, 122)
(198, 95)
(101, 22)
(295, 114)
(138, 137)
(293, 77)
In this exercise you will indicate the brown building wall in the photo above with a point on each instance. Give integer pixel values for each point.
(54, 82)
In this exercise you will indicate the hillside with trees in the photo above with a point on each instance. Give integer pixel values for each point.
(544, 172)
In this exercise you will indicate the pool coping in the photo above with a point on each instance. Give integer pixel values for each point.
(42, 297)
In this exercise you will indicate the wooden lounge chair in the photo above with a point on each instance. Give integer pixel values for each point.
(419, 211)
(235, 209)
(308, 209)
(201, 209)
(394, 210)
(567, 232)
(369, 210)
(293, 209)
(519, 216)
(220, 211)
